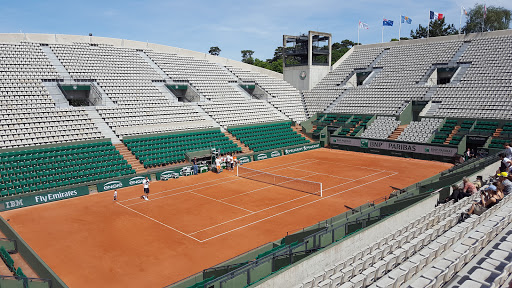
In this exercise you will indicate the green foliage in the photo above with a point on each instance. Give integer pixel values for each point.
(214, 50)
(247, 56)
(276, 63)
(497, 18)
(437, 28)
(401, 38)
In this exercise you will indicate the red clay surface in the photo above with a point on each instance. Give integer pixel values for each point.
(195, 222)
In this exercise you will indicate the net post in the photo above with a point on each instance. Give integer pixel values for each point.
(321, 190)
(236, 170)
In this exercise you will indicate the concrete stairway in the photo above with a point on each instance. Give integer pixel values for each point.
(154, 66)
(334, 103)
(205, 115)
(454, 131)
(238, 88)
(57, 64)
(297, 128)
(101, 124)
(397, 132)
(497, 133)
(459, 53)
(166, 92)
(245, 149)
(57, 96)
(139, 168)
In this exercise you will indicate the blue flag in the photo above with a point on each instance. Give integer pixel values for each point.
(406, 19)
(387, 22)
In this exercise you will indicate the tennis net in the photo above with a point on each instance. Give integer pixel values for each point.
(310, 187)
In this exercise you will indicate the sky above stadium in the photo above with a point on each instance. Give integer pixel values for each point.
(231, 25)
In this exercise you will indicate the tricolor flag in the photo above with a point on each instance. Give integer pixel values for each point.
(386, 22)
(406, 19)
(363, 25)
(485, 11)
(464, 10)
(436, 16)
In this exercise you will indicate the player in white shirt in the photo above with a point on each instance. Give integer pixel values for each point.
(115, 195)
(145, 183)
(229, 162)
(217, 165)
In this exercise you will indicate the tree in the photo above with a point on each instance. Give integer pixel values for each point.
(437, 28)
(214, 50)
(401, 38)
(497, 18)
(247, 56)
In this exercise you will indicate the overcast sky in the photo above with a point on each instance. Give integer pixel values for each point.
(232, 25)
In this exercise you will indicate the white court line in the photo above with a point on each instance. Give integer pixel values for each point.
(320, 173)
(179, 188)
(221, 202)
(159, 222)
(283, 203)
(252, 223)
(199, 188)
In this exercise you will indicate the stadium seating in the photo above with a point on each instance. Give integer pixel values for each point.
(45, 168)
(420, 131)
(284, 96)
(167, 149)
(381, 128)
(268, 136)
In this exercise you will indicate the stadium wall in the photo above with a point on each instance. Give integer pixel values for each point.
(344, 249)
(30, 256)
(70, 39)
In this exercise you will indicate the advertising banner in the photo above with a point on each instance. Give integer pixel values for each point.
(29, 200)
(301, 148)
(395, 146)
(180, 171)
(267, 155)
(121, 183)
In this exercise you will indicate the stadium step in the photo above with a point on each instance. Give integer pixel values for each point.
(454, 131)
(102, 126)
(128, 156)
(397, 132)
(297, 128)
(497, 133)
(245, 149)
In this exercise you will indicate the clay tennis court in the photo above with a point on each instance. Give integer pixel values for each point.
(195, 222)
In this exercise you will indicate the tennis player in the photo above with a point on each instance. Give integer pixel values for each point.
(229, 162)
(217, 165)
(115, 195)
(145, 182)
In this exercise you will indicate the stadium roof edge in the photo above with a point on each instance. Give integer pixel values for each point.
(461, 37)
(69, 39)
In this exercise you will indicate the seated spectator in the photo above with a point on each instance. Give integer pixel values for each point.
(508, 150)
(505, 164)
(479, 182)
(504, 179)
(456, 195)
(468, 186)
(492, 199)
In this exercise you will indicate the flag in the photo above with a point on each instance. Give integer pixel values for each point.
(436, 16)
(485, 11)
(386, 22)
(464, 10)
(406, 19)
(363, 25)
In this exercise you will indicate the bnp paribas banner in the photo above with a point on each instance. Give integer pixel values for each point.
(244, 159)
(121, 183)
(30, 200)
(301, 148)
(181, 171)
(395, 146)
(267, 155)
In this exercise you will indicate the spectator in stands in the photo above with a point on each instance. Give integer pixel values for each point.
(505, 163)
(468, 154)
(508, 150)
(503, 178)
(479, 182)
(456, 195)
(493, 198)
(194, 166)
(469, 188)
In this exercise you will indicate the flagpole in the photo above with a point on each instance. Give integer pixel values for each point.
(428, 27)
(358, 25)
(460, 20)
(399, 28)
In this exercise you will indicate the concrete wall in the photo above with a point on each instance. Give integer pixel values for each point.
(69, 39)
(313, 75)
(309, 267)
